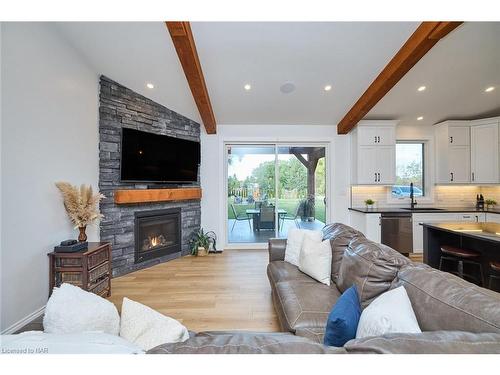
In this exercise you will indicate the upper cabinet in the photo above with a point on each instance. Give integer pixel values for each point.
(374, 153)
(485, 151)
(468, 152)
(452, 152)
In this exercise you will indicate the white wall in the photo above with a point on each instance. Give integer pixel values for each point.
(212, 167)
(49, 133)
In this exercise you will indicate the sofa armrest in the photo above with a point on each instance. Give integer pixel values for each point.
(431, 342)
(276, 247)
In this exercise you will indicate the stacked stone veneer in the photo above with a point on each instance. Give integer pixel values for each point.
(120, 108)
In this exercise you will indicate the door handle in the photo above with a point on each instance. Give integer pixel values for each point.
(451, 176)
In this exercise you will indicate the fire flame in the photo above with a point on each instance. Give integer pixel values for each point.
(154, 241)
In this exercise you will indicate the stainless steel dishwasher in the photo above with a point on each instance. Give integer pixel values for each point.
(397, 231)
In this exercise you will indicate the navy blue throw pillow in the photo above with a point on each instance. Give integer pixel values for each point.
(343, 319)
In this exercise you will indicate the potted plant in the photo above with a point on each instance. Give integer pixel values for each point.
(200, 242)
(490, 203)
(369, 203)
(82, 206)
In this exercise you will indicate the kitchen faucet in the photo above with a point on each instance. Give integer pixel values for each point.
(413, 201)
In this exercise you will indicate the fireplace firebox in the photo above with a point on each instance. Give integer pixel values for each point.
(157, 233)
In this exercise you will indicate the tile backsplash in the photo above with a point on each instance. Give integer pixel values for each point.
(445, 195)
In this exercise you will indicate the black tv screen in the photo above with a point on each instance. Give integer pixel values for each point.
(148, 157)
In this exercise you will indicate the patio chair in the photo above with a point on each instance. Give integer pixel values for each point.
(266, 217)
(240, 217)
(294, 217)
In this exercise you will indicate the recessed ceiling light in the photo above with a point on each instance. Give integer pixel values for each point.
(420, 118)
(421, 88)
(150, 86)
(287, 87)
(490, 89)
(328, 87)
(247, 87)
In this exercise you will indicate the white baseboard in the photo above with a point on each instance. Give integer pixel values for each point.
(26, 320)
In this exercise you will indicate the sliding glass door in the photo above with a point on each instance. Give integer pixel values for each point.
(272, 188)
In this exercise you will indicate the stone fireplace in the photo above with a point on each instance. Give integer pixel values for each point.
(121, 107)
(157, 233)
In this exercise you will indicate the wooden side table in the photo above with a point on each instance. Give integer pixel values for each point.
(89, 269)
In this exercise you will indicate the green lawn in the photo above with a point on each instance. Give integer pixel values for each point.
(290, 205)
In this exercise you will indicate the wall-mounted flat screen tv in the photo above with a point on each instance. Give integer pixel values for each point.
(154, 158)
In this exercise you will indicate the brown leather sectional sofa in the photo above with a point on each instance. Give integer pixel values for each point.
(456, 316)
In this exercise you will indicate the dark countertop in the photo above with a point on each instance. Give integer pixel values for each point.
(482, 231)
(390, 210)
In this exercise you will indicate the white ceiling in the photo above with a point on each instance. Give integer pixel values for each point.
(134, 53)
(456, 72)
(346, 55)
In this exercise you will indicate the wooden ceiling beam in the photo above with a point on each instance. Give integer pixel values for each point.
(186, 50)
(419, 43)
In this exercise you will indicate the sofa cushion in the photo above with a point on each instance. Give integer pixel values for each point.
(305, 304)
(315, 260)
(443, 301)
(437, 342)
(246, 343)
(343, 320)
(278, 271)
(390, 312)
(339, 235)
(372, 267)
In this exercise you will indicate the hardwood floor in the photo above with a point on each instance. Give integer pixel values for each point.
(227, 291)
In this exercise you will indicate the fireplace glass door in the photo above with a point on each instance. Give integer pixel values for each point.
(157, 234)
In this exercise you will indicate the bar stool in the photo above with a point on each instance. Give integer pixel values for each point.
(460, 257)
(495, 267)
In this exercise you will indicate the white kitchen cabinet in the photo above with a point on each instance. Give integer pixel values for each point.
(452, 140)
(368, 224)
(485, 151)
(458, 164)
(386, 164)
(373, 145)
(492, 218)
(442, 217)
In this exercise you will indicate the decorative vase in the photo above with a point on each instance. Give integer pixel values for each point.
(202, 251)
(82, 237)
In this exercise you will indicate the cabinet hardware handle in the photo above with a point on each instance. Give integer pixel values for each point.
(451, 139)
(375, 139)
(378, 139)
(378, 177)
(375, 176)
(451, 176)
(473, 177)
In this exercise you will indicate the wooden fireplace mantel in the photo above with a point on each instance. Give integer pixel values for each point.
(156, 195)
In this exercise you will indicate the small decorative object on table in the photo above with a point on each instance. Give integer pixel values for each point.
(70, 246)
(490, 203)
(369, 203)
(82, 206)
(202, 242)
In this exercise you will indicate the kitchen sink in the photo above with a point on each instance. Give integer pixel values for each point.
(423, 209)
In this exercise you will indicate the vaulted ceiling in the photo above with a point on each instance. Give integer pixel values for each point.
(346, 55)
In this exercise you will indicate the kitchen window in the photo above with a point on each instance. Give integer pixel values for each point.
(410, 167)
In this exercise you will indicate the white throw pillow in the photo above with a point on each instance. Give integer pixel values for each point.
(391, 312)
(148, 328)
(73, 310)
(315, 260)
(37, 342)
(295, 240)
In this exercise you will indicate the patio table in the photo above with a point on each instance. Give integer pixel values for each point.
(255, 216)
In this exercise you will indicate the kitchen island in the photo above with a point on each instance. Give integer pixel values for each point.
(483, 238)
